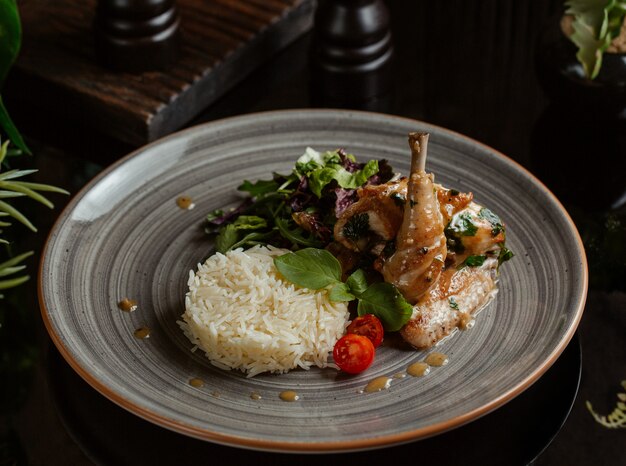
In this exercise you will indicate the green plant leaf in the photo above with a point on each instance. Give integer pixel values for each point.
(6, 284)
(7, 194)
(20, 188)
(615, 419)
(310, 268)
(15, 173)
(387, 303)
(43, 187)
(11, 270)
(10, 36)
(596, 23)
(17, 215)
(9, 127)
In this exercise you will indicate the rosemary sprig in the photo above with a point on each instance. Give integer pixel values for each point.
(11, 187)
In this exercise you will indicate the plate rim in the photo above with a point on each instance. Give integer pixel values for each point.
(298, 446)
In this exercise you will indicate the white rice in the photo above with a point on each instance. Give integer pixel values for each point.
(245, 316)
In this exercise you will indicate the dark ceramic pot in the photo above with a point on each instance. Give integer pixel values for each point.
(578, 143)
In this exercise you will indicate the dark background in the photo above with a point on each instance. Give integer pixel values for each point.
(470, 66)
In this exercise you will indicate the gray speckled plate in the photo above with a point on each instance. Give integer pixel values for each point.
(124, 236)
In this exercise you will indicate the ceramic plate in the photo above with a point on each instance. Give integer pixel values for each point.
(124, 236)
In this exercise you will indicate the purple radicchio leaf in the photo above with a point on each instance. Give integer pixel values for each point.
(345, 198)
(302, 197)
(350, 165)
(231, 215)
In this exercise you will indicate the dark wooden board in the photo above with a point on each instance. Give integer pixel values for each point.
(223, 41)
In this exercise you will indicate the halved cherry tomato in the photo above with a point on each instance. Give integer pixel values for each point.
(353, 353)
(369, 326)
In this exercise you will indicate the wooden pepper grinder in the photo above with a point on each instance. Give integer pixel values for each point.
(352, 50)
(137, 35)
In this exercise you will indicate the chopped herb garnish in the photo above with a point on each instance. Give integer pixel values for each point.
(399, 199)
(496, 223)
(453, 304)
(389, 249)
(462, 225)
(505, 254)
(412, 203)
(454, 244)
(473, 261)
(357, 226)
(454, 192)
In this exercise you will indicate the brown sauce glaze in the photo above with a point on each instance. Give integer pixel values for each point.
(378, 384)
(185, 203)
(196, 382)
(418, 369)
(142, 333)
(289, 395)
(436, 359)
(127, 305)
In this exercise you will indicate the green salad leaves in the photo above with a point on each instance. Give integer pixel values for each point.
(299, 209)
(323, 168)
(317, 268)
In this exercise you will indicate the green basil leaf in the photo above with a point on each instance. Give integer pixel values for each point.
(357, 283)
(387, 303)
(340, 292)
(310, 268)
(453, 304)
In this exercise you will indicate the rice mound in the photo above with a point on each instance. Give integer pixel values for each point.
(244, 315)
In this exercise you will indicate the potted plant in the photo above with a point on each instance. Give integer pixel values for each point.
(18, 350)
(582, 56)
